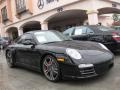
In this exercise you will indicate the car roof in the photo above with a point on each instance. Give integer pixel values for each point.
(34, 31)
(94, 27)
(89, 26)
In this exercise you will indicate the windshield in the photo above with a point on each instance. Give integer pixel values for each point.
(102, 28)
(50, 36)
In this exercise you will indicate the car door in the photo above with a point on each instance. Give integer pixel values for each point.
(27, 55)
(80, 33)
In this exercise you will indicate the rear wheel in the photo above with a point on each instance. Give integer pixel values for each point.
(9, 59)
(51, 68)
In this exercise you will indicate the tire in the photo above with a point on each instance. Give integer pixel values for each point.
(9, 59)
(50, 68)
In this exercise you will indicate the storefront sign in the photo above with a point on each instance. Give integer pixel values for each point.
(41, 3)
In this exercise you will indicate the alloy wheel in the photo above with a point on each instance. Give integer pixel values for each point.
(51, 68)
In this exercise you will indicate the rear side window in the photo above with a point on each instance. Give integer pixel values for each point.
(80, 30)
(69, 32)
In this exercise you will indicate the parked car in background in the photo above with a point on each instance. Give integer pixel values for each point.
(4, 42)
(107, 36)
(57, 56)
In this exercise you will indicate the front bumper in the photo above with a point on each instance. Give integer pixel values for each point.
(73, 71)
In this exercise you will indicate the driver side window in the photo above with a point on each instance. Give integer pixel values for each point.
(25, 37)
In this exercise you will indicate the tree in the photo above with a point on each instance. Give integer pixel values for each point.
(116, 17)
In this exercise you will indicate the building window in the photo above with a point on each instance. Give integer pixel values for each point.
(20, 6)
(4, 14)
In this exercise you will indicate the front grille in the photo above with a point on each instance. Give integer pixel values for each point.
(88, 72)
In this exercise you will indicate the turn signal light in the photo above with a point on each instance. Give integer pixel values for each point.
(60, 59)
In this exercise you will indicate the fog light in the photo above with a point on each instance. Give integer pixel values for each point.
(85, 65)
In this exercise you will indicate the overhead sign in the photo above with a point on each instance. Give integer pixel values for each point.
(40, 4)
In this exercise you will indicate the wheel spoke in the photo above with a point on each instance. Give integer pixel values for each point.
(46, 71)
(55, 71)
(51, 75)
(45, 63)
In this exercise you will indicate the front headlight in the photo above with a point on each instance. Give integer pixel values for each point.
(73, 53)
(103, 46)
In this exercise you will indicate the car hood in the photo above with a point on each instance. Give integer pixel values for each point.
(91, 52)
(79, 45)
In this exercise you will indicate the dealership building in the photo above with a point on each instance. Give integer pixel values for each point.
(20, 16)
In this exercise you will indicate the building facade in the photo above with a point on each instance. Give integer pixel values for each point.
(20, 16)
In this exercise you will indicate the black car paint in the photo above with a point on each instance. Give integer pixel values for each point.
(31, 57)
(104, 37)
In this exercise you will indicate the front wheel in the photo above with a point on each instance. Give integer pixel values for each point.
(51, 68)
(9, 59)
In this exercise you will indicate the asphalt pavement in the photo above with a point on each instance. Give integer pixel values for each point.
(24, 79)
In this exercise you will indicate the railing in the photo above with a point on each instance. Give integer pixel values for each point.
(20, 6)
(4, 14)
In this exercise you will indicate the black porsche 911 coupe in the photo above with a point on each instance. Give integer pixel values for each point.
(58, 56)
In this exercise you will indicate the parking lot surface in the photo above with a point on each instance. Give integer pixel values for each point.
(23, 79)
